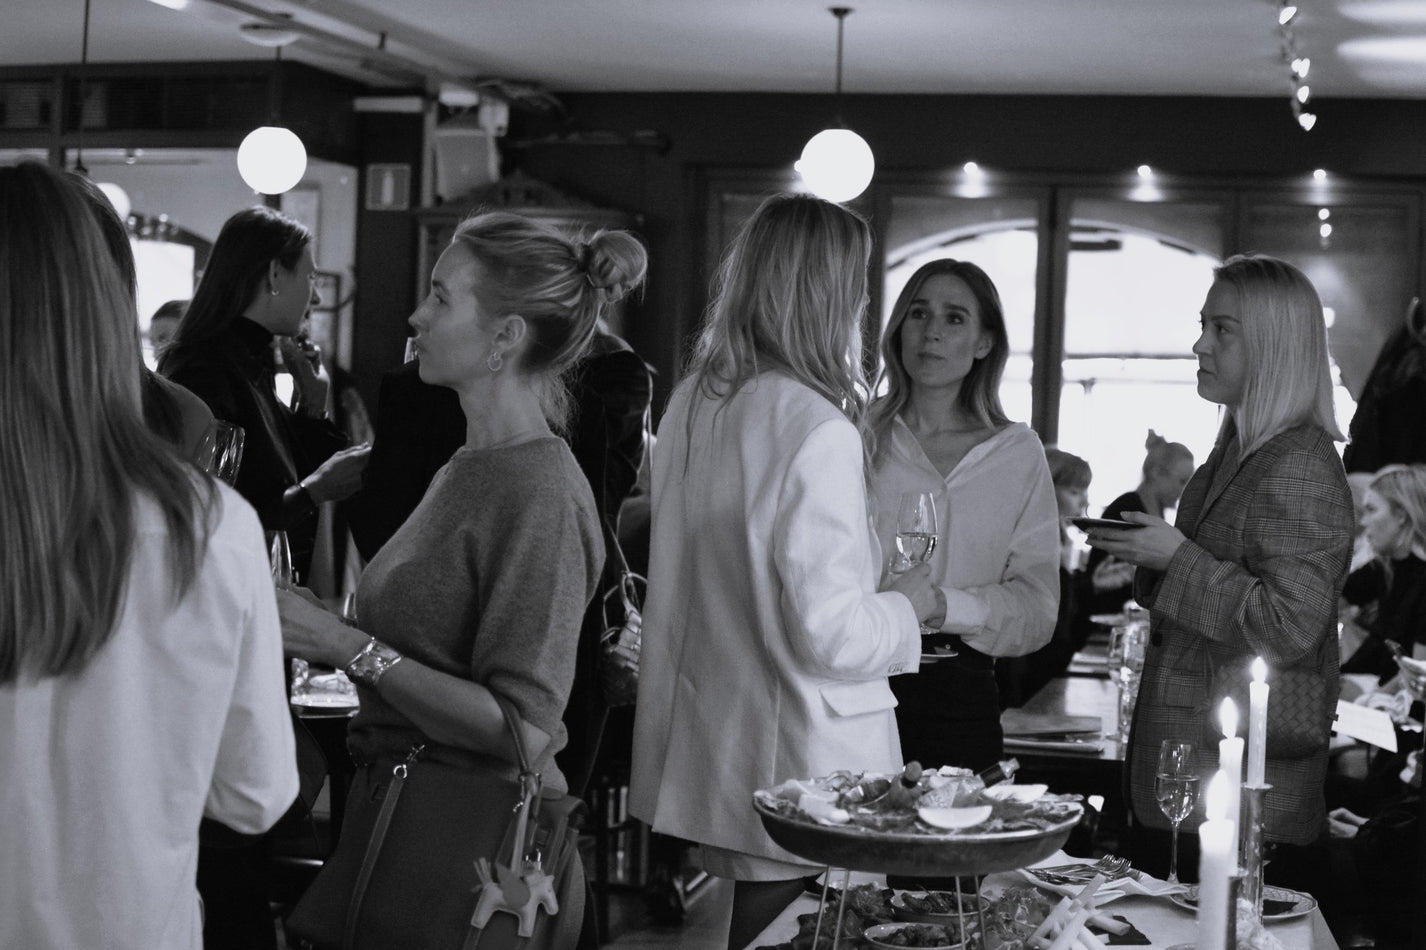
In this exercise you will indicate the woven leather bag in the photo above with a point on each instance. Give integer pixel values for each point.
(1300, 711)
(426, 856)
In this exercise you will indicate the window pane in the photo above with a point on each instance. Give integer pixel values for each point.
(1137, 276)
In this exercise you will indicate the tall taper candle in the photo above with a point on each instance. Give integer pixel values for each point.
(1258, 723)
(1230, 763)
(1216, 864)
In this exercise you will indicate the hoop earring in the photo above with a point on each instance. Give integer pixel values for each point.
(495, 361)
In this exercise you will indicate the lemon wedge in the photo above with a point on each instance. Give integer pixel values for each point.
(1015, 793)
(952, 818)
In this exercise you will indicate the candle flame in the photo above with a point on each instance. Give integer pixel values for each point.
(1260, 671)
(1217, 795)
(1228, 717)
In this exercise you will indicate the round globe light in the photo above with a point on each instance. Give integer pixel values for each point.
(271, 160)
(118, 197)
(836, 164)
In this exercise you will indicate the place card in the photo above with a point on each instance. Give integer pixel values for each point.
(1365, 723)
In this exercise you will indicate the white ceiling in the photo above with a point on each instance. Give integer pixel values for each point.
(1359, 48)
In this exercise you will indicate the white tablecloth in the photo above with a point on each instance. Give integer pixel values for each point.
(1161, 921)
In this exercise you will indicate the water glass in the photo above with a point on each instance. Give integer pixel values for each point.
(220, 454)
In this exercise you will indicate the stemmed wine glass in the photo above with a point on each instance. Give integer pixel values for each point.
(915, 536)
(1176, 788)
(221, 451)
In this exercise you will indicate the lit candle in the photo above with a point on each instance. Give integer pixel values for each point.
(1216, 864)
(1230, 763)
(1258, 723)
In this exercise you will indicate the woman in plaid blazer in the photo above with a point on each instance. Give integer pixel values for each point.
(1257, 558)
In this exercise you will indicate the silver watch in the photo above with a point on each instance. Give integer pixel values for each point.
(371, 664)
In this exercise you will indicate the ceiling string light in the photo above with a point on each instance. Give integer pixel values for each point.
(272, 159)
(1297, 66)
(837, 163)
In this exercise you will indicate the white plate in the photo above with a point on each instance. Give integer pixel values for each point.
(1108, 620)
(1303, 904)
(325, 701)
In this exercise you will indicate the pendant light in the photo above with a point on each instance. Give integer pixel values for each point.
(837, 163)
(116, 195)
(272, 159)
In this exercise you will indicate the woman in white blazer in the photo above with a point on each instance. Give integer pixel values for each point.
(767, 647)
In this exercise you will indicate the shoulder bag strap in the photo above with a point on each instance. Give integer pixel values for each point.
(373, 847)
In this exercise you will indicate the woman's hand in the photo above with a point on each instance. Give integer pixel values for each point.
(1112, 574)
(1151, 546)
(340, 476)
(916, 585)
(308, 377)
(314, 633)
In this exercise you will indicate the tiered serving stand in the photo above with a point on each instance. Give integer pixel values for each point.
(954, 854)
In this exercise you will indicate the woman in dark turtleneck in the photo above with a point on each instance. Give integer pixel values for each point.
(257, 286)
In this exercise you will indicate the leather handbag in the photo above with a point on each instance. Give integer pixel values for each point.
(1300, 711)
(439, 853)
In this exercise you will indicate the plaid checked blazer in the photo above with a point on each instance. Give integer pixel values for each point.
(1269, 541)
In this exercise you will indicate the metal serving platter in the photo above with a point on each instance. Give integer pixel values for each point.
(912, 853)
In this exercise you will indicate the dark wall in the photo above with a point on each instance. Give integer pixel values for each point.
(386, 252)
(1064, 138)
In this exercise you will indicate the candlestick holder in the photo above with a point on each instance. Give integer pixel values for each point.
(1235, 883)
(1254, 799)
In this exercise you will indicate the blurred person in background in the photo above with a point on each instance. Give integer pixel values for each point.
(1167, 468)
(164, 324)
(1021, 677)
(141, 682)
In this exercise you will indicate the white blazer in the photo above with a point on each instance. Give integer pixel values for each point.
(766, 648)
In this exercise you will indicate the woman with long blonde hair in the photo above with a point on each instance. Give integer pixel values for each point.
(766, 645)
(141, 684)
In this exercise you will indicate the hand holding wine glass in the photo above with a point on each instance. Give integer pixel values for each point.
(1176, 788)
(916, 539)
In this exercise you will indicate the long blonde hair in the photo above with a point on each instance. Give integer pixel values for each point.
(76, 450)
(1289, 380)
(790, 294)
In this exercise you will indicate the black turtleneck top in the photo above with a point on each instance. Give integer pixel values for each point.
(233, 373)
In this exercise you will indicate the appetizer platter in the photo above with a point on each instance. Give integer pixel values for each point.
(940, 822)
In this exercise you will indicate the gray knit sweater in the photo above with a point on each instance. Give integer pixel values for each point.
(488, 579)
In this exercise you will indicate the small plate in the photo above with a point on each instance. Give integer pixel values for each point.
(969, 902)
(938, 654)
(1109, 620)
(1084, 524)
(1297, 903)
(878, 936)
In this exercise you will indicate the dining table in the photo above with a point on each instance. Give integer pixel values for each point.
(1163, 922)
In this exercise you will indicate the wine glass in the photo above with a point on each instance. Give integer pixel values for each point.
(221, 452)
(916, 538)
(1176, 788)
(915, 530)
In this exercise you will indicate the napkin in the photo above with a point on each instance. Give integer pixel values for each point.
(1136, 884)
